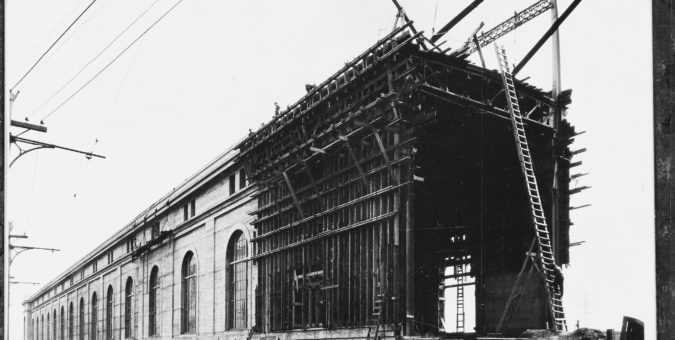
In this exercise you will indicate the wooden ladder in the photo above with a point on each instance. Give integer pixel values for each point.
(376, 316)
(543, 239)
(459, 271)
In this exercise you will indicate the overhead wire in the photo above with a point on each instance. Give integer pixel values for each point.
(87, 19)
(105, 121)
(433, 27)
(133, 22)
(44, 39)
(113, 60)
(53, 44)
(114, 102)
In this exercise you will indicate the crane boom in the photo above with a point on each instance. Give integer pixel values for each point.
(509, 25)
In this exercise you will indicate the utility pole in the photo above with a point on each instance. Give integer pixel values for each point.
(4, 240)
(18, 249)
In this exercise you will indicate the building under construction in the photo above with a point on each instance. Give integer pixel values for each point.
(412, 193)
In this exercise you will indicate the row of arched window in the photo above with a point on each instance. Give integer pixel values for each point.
(237, 274)
(42, 328)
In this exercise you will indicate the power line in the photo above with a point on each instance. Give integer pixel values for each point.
(113, 60)
(94, 58)
(53, 44)
(105, 121)
(55, 28)
(433, 27)
(119, 90)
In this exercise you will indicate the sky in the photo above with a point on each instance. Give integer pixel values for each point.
(213, 69)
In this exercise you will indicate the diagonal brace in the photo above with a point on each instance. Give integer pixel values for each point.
(455, 20)
(357, 165)
(292, 191)
(376, 133)
(305, 167)
(548, 34)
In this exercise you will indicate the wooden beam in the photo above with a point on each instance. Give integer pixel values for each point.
(575, 176)
(578, 151)
(480, 51)
(292, 192)
(458, 99)
(455, 21)
(454, 276)
(408, 22)
(308, 171)
(459, 285)
(29, 126)
(317, 150)
(578, 190)
(325, 234)
(385, 156)
(553, 29)
(361, 123)
(356, 162)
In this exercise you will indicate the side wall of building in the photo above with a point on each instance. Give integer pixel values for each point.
(218, 217)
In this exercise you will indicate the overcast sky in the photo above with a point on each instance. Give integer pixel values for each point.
(212, 69)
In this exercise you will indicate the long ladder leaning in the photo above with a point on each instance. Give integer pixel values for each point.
(538, 218)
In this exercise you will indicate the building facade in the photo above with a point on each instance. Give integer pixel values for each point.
(180, 268)
(388, 201)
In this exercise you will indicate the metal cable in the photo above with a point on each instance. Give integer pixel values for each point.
(93, 59)
(113, 60)
(53, 44)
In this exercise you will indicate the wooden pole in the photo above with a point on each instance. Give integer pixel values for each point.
(409, 268)
(555, 123)
(455, 20)
(4, 240)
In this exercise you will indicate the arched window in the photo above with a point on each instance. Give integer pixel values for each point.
(42, 328)
(189, 294)
(62, 323)
(54, 326)
(94, 317)
(81, 319)
(71, 316)
(128, 305)
(109, 314)
(153, 317)
(47, 330)
(237, 251)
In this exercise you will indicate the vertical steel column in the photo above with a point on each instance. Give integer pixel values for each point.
(555, 123)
